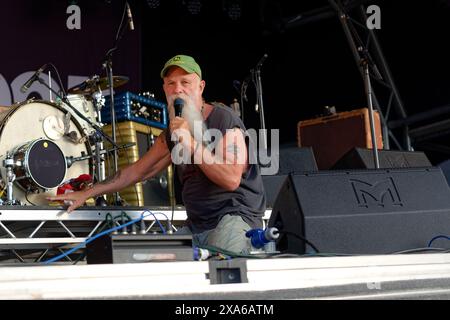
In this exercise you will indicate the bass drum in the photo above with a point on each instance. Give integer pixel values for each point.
(30, 122)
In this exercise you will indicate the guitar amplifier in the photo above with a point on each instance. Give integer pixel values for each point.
(157, 191)
(132, 107)
(331, 137)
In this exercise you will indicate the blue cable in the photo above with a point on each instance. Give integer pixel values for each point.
(156, 219)
(165, 215)
(437, 237)
(64, 254)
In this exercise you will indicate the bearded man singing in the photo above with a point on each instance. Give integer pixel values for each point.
(222, 190)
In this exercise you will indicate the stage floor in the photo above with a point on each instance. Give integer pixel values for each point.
(413, 276)
(388, 276)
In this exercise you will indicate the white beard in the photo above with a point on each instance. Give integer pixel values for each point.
(191, 114)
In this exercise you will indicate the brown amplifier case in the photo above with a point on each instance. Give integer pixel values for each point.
(331, 137)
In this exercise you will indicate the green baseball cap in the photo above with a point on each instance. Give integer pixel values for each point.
(187, 63)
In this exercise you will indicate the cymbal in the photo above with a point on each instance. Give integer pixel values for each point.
(95, 83)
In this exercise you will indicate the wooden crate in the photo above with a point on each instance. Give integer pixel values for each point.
(331, 137)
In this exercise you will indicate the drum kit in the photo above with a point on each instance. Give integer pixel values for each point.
(44, 143)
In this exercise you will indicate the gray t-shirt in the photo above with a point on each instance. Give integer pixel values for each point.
(207, 202)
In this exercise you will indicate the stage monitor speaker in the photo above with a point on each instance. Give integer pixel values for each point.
(272, 186)
(362, 212)
(360, 158)
(292, 159)
(445, 167)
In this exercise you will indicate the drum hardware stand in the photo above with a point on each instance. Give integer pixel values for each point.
(100, 201)
(9, 164)
(70, 160)
(99, 172)
(99, 103)
(107, 65)
(97, 129)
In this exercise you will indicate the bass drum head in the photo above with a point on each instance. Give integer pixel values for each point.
(43, 165)
(34, 120)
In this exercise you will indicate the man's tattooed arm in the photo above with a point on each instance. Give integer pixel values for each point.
(111, 179)
(233, 148)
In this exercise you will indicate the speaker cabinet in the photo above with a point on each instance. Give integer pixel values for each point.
(445, 167)
(294, 159)
(272, 186)
(359, 158)
(362, 212)
(291, 159)
(153, 192)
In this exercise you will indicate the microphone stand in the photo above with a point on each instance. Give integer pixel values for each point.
(243, 95)
(107, 65)
(256, 75)
(365, 61)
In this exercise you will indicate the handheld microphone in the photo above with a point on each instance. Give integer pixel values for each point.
(130, 17)
(178, 105)
(33, 78)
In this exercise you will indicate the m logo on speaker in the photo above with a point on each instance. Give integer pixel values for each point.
(381, 193)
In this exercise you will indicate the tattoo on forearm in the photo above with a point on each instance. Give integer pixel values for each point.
(111, 179)
(233, 148)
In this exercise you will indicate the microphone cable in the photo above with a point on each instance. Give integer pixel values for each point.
(59, 79)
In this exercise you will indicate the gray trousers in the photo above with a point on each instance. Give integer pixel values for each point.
(229, 235)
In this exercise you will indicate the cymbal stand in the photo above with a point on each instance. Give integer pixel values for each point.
(107, 65)
(99, 167)
(99, 103)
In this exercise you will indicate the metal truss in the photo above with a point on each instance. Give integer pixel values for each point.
(364, 43)
(29, 234)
